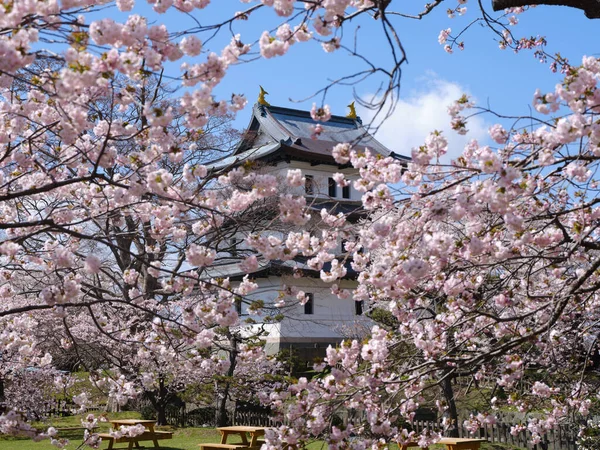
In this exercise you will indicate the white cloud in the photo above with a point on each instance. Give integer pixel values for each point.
(423, 111)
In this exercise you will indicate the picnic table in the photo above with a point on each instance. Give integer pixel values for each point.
(240, 431)
(451, 444)
(150, 434)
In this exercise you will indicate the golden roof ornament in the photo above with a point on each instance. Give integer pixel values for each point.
(352, 113)
(261, 97)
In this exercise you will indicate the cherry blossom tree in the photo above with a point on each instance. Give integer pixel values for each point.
(110, 222)
(489, 264)
(112, 270)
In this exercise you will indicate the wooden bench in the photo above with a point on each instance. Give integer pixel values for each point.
(153, 436)
(241, 431)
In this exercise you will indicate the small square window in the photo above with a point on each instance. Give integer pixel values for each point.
(358, 308)
(346, 191)
(232, 244)
(343, 245)
(309, 185)
(309, 305)
(332, 188)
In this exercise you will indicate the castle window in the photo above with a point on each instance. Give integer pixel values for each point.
(309, 185)
(358, 308)
(332, 188)
(346, 191)
(309, 305)
(233, 250)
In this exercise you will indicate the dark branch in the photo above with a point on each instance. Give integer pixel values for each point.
(590, 7)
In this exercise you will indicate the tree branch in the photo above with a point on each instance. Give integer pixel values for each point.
(591, 8)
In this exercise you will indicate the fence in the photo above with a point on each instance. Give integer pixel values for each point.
(62, 408)
(198, 417)
(252, 414)
(564, 437)
(243, 414)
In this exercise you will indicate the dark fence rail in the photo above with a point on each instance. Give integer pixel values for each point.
(198, 417)
(246, 413)
(254, 418)
(243, 414)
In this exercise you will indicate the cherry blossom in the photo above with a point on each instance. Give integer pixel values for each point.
(113, 226)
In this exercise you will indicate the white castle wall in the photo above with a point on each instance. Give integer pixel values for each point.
(333, 319)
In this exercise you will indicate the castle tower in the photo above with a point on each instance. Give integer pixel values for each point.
(279, 139)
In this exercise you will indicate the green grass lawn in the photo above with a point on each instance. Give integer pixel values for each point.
(183, 438)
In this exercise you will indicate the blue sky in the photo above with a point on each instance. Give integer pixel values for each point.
(504, 80)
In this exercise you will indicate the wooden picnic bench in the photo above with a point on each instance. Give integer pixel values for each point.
(451, 444)
(149, 435)
(240, 431)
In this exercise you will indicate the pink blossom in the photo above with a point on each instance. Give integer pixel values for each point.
(9, 248)
(541, 389)
(301, 33)
(331, 45)
(498, 134)
(246, 286)
(444, 34)
(292, 209)
(191, 45)
(341, 153)
(578, 171)
(92, 264)
(295, 178)
(238, 102)
(337, 271)
(200, 256)
(250, 264)
(271, 47)
(340, 179)
(320, 114)
(316, 131)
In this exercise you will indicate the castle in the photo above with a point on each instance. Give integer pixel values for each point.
(279, 139)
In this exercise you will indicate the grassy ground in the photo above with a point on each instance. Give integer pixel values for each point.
(183, 438)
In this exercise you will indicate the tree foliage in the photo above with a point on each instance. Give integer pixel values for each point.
(111, 224)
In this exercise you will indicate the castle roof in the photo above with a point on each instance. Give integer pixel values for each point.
(277, 133)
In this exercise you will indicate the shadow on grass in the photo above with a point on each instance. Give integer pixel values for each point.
(164, 447)
(144, 447)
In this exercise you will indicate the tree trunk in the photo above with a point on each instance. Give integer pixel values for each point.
(222, 419)
(2, 398)
(160, 400)
(161, 414)
(451, 413)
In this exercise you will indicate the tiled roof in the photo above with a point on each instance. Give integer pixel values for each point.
(273, 268)
(275, 131)
(250, 154)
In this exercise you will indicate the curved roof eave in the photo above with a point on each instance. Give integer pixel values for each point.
(248, 155)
